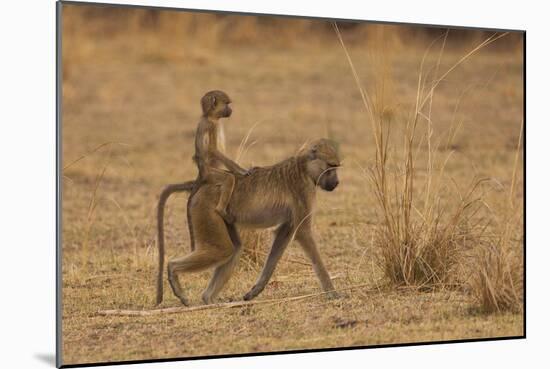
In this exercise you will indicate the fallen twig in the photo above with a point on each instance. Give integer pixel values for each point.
(225, 305)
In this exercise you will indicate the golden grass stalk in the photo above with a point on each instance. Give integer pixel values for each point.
(252, 256)
(92, 205)
(244, 146)
(419, 245)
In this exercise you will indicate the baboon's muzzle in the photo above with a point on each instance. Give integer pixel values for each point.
(227, 112)
(329, 184)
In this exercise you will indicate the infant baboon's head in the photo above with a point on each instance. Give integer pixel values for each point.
(215, 104)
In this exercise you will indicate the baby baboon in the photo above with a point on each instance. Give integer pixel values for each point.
(215, 105)
(282, 196)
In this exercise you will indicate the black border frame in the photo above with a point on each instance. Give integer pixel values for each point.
(58, 112)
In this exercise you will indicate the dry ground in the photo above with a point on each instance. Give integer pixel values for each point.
(146, 104)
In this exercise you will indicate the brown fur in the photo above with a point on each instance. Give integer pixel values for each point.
(209, 159)
(282, 196)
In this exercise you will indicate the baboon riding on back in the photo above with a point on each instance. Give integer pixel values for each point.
(280, 196)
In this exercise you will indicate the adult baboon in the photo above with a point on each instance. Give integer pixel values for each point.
(282, 196)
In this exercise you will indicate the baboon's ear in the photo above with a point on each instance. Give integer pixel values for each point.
(208, 102)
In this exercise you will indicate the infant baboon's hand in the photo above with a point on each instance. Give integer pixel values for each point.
(252, 170)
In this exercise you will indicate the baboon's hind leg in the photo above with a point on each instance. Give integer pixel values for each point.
(227, 184)
(198, 260)
(223, 272)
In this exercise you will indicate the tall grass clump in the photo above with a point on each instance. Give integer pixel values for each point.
(497, 273)
(422, 235)
(497, 282)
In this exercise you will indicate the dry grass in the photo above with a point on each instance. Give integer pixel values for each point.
(424, 246)
(497, 281)
(140, 86)
(422, 239)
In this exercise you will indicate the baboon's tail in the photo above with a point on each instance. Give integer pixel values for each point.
(166, 192)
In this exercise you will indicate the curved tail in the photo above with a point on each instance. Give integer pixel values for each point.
(166, 192)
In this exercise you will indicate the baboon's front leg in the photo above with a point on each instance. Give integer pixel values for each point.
(282, 238)
(306, 240)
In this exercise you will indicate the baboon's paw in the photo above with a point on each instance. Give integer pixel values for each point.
(183, 300)
(207, 300)
(333, 295)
